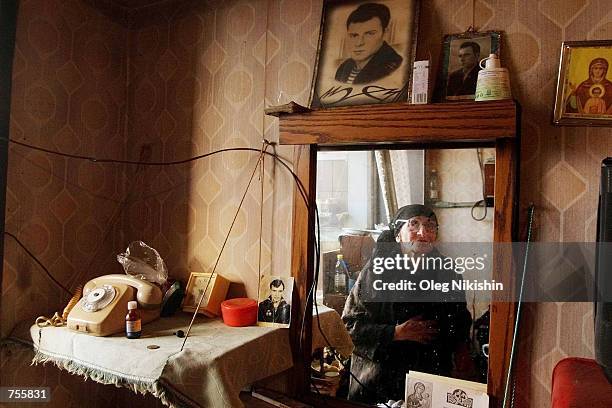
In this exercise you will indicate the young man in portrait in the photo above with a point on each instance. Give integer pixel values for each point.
(463, 80)
(275, 309)
(371, 57)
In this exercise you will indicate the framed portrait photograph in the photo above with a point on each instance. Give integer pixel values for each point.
(584, 90)
(460, 64)
(216, 292)
(366, 52)
(274, 303)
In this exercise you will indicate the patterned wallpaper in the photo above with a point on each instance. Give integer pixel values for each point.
(196, 86)
(559, 165)
(460, 180)
(191, 77)
(69, 85)
(69, 81)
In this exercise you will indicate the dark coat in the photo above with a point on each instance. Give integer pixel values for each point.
(267, 313)
(382, 63)
(458, 86)
(380, 363)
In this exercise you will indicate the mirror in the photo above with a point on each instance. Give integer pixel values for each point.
(358, 193)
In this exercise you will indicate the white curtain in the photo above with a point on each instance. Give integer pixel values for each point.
(401, 177)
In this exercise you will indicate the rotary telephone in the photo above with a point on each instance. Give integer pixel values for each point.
(102, 309)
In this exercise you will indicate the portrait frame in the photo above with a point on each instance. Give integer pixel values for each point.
(195, 286)
(385, 75)
(265, 296)
(575, 81)
(489, 43)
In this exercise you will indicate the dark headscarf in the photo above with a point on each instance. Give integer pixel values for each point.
(407, 212)
(601, 61)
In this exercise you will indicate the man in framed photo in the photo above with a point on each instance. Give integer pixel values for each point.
(371, 57)
(463, 80)
(274, 309)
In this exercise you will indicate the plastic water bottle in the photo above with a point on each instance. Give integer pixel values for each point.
(341, 276)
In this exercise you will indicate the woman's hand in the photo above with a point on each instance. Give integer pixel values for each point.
(416, 329)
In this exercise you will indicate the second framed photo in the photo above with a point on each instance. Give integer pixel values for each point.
(215, 286)
(461, 55)
(366, 52)
(584, 92)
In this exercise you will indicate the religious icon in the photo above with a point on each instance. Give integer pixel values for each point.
(584, 90)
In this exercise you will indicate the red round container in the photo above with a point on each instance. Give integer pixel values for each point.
(239, 312)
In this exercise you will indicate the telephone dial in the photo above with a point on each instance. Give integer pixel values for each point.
(102, 309)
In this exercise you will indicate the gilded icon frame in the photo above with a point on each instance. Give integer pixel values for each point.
(572, 107)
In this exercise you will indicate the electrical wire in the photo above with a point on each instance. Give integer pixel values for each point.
(123, 161)
(138, 163)
(93, 159)
(65, 180)
(212, 274)
(300, 187)
(110, 225)
(262, 176)
(40, 264)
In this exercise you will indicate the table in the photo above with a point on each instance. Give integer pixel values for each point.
(216, 363)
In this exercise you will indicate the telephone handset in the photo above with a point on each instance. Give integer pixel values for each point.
(102, 309)
(148, 295)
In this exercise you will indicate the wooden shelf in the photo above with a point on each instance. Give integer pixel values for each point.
(400, 123)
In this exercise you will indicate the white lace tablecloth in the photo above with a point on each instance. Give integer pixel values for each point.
(216, 363)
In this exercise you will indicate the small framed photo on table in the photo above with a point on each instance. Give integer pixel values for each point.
(461, 56)
(215, 286)
(366, 52)
(584, 90)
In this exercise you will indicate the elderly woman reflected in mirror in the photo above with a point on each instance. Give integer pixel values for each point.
(395, 331)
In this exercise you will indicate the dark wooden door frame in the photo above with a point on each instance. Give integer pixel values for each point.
(8, 23)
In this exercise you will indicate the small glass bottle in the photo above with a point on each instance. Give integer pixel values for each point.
(133, 322)
(341, 276)
(434, 188)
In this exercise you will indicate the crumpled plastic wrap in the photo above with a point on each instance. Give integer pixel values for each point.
(144, 262)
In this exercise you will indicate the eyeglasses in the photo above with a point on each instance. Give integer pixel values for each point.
(415, 225)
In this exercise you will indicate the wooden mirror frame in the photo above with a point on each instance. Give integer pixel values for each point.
(450, 125)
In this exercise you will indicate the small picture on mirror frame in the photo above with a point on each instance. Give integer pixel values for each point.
(274, 303)
(584, 92)
(460, 64)
(366, 52)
